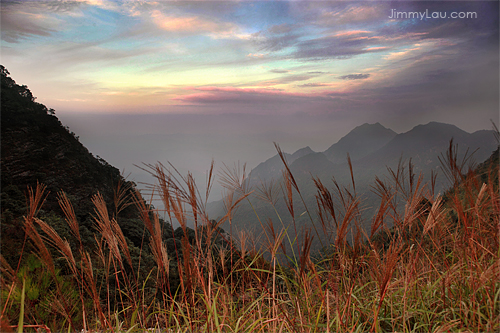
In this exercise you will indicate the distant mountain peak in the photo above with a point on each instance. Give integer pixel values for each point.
(368, 126)
(302, 152)
(436, 130)
(365, 125)
(436, 124)
(423, 143)
(360, 142)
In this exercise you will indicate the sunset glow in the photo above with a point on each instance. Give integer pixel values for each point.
(106, 55)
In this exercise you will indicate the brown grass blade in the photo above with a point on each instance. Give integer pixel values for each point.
(283, 159)
(69, 213)
(351, 172)
(122, 196)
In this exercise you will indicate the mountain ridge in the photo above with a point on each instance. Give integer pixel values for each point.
(359, 142)
(422, 145)
(336, 153)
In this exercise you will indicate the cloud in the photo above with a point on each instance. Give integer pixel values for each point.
(376, 48)
(280, 29)
(313, 85)
(463, 29)
(335, 47)
(354, 76)
(349, 33)
(279, 71)
(20, 24)
(352, 14)
(287, 79)
(400, 55)
(274, 43)
(21, 20)
(71, 100)
(276, 37)
(194, 25)
(256, 55)
(249, 96)
(351, 29)
(155, 43)
(81, 53)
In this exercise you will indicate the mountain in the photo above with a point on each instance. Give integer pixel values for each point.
(300, 153)
(360, 142)
(273, 167)
(433, 137)
(314, 163)
(37, 148)
(423, 145)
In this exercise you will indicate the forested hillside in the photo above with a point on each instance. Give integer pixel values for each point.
(37, 148)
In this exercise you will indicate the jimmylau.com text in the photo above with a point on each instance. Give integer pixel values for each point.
(430, 15)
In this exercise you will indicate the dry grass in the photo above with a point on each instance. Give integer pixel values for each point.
(437, 269)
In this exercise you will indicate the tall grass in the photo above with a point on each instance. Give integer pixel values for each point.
(428, 263)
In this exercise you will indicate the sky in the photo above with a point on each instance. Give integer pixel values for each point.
(188, 82)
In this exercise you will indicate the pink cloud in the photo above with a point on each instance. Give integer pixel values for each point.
(378, 48)
(348, 33)
(196, 25)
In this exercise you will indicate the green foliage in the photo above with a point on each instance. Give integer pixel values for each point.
(34, 297)
(13, 207)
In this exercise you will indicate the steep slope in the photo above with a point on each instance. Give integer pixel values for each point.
(492, 163)
(37, 148)
(466, 187)
(360, 142)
